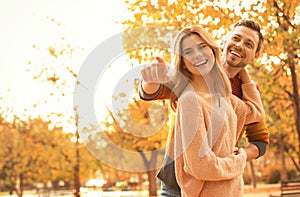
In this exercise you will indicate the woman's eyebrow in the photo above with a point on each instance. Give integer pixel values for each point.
(201, 43)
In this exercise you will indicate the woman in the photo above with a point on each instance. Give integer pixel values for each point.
(209, 118)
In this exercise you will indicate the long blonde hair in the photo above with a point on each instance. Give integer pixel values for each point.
(184, 76)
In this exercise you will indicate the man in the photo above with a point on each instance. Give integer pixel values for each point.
(241, 48)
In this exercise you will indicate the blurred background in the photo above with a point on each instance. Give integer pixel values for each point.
(44, 151)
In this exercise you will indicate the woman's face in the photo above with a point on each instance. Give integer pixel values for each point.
(198, 57)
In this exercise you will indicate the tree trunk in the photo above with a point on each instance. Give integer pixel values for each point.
(151, 171)
(296, 101)
(19, 186)
(77, 161)
(152, 182)
(283, 173)
(76, 168)
(253, 177)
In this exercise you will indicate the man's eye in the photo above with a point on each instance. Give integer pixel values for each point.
(235, 38)
(249, 45)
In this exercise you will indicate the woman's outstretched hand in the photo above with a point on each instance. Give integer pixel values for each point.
(156, 72)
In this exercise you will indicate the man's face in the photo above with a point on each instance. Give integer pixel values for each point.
(240, 47)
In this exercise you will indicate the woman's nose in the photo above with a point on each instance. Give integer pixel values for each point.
(198, 55)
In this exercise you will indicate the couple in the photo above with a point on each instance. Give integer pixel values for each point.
(209, 119)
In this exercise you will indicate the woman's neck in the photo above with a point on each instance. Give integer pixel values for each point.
(204, 85)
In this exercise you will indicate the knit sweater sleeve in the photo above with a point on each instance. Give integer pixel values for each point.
(250, 109)
(194, 156)
(164, 92)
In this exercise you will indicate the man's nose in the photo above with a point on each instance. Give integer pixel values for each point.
(239, 46)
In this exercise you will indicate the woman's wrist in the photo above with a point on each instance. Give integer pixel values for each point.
(149, 87)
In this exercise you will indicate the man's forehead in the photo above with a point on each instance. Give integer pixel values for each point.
(246, 33)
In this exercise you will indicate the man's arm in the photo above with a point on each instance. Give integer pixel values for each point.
(256, 133)
(258, 136)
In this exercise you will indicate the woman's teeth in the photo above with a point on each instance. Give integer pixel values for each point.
(201, 63)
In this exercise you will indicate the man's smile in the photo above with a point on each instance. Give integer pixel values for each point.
(237, 54)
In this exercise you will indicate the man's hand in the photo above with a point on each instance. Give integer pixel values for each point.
(252, 152)
(153, 75)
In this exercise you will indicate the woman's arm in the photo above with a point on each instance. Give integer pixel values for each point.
(154, 84)
(163, 92)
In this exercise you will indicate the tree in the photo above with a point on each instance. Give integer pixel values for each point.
(22, 163)
(58, 74)
(142, 127)
(282, 95)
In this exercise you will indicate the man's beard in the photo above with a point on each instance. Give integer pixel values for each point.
(239, 65)
(232, 70)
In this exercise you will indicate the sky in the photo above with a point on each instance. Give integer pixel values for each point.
(85, 23)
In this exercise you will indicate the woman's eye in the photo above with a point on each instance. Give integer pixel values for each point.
(186, 52)
(201, 46)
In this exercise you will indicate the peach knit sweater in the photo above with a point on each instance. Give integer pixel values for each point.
(204, 139)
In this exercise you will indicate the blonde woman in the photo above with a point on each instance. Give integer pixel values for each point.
(209, 118)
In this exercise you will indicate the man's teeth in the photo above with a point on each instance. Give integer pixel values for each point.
(236, 54)
(201, 63)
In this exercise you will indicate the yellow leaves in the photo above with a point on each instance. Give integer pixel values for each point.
(30, 147)
(138, 16)
(144, 128)
(53, 78)
(139, 112)
(52, 51)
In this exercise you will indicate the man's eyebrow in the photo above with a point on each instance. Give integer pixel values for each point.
(248, 40)
(239, 35)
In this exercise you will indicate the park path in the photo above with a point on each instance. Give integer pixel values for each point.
(260, 191)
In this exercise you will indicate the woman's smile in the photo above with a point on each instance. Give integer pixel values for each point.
(201, 63)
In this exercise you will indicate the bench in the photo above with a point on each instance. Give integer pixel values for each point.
(290, 188)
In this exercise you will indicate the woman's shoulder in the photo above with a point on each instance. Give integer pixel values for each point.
(189, 96)
(190, 106)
